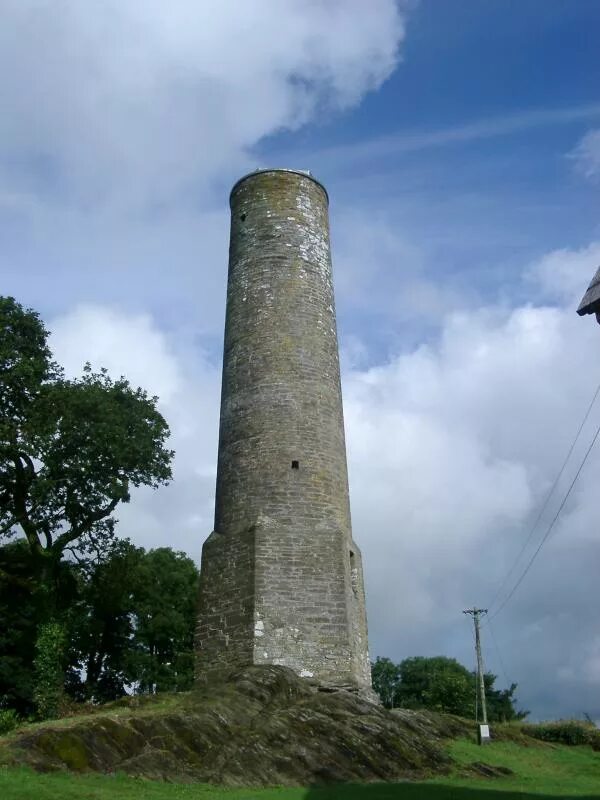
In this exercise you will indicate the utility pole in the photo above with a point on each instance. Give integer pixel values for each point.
(476, 613)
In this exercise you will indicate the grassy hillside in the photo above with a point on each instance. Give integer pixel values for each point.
(552, 770)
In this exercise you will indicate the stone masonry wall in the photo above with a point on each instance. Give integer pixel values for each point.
(282, 457)
(301, 613)
(357, 612)
(281, 395)
(225, 631)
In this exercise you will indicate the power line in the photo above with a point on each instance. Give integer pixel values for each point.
(498, 653)
(476, 683)
(548, 496)
(550, 527)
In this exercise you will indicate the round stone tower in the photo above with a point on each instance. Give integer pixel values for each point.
(281, 579)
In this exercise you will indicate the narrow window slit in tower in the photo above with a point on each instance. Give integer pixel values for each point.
(242, 217)
(353, 574)
(295, 465)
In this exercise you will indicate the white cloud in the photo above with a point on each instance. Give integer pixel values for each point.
(587, 154)
(453, 447)
(389, 146)
(444, 453)
(124, 97)
(562, 276)
(130, 346)
(379, 267)
(125, 122)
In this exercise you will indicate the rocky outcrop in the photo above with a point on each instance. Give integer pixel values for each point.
(263, 726)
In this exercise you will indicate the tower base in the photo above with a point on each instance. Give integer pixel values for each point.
(275, 593)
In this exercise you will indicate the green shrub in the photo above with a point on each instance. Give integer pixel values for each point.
(9, 719)
(49, 669)
(565, 731)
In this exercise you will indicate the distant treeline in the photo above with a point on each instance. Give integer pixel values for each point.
(441, 684)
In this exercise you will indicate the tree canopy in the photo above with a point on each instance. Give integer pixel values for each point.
(70, 449)
(440, 684)
(135, 624)
(128, 625)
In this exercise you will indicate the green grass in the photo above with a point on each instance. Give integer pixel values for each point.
(21, 784)
(541, 771)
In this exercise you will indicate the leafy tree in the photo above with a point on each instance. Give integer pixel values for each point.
(9, 720)
(385, 676)
(70, 450)
(440, 684)
(501, 702)
(128, 620)
(17, 629)
(135, 624)
(103, 625)
(164, 602)
(20, 618)
(49, 669)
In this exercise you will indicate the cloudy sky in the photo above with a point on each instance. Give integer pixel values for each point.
(460, 144)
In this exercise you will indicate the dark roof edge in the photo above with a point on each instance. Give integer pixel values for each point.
(590, 303)
(304, 173)
(589, 308)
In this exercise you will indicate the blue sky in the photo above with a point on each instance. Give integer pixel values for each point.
(460, 144)
(468, 140)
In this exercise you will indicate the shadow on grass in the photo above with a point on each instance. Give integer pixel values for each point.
(426, 791)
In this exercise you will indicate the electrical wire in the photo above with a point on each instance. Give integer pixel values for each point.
(548, 496)
(550, 527)
(497, 649)
(475, 672)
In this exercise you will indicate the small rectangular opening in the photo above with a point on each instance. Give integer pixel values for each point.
(295, 465)
(353, 574)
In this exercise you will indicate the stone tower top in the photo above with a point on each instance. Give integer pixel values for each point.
(306, 173)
